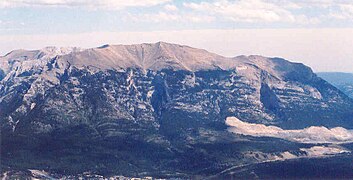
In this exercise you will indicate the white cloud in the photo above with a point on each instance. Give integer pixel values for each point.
(164, 16)
(312, 134)
(318, 3)
(274, 11)
(338, 9)
(335, 9)
(347, 9)
(170, 7)
(155, 17)
(248, 11)
(7, 25)
(245, 10)
(93, 4)
(345, 14)
(199, 18)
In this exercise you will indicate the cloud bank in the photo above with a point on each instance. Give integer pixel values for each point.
(92, 4)
(275, 11)
(313, 134)
(208, 11)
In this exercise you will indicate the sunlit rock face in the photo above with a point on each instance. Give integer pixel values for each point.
(146, 83)
(164, 97)
(312, 134)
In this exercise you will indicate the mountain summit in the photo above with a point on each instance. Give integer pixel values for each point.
(165, 103)
(156, 56)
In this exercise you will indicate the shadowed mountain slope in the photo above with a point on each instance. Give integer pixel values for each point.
(158, 108)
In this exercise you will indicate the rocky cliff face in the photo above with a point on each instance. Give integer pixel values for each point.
(343, 81)
(162, 102)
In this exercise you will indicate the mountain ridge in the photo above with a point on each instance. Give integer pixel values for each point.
(147, 56)
(155, 109)
(343, 81)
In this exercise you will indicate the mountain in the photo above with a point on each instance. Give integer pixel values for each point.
(154, 109)
(343, 81)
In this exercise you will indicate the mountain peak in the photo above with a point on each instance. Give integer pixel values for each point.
(102, 102)
(153, 56)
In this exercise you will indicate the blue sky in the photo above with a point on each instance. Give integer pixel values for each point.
(35, 23)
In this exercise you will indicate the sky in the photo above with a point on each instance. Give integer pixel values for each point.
(318, 33)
